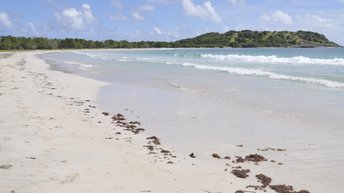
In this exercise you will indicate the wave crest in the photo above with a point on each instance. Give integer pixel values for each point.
(273, 59)
(271, 75)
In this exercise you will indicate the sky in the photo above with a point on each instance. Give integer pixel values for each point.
(166, 20)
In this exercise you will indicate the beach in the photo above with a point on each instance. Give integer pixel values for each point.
(54, 137)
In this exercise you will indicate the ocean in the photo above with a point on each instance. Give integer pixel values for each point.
(211, 100)
(306, 85)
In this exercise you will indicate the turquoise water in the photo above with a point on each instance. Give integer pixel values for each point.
(210, 100)
(317, 67)
(307, 84)
(299, 87)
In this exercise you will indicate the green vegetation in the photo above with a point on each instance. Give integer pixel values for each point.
(237, 39)
(251, 39)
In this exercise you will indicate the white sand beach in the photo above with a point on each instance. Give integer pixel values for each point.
(54, 139)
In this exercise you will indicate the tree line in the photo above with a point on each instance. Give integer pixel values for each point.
(237, 39)
(27, 43)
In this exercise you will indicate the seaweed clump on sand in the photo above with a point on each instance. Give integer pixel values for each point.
(118, 117)
(243, 173)
(282, 188)
(303, 191)
(286, 189)
(238, 159)
(154, 139)
(250, 158)
(215, 155)
(131, 126)
(255, 158)
(265, 180)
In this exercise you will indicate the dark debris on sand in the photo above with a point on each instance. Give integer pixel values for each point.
(265, 180)
(303, 191)
(154, 139)
(192, 155)
(6, 166)
(255, 158)
(215, 155)
(153, 144)
(270, 149)
(238, 159)
(118, 117)
(227, 157)
(286, 189)
(250, 158)
(105, 113)
(282, 188)
(243, 173)
(149, 147)
(165, 152)
(131, 126)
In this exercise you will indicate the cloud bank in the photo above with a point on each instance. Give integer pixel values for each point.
(5, 20)
(76, 20)
(204, 11)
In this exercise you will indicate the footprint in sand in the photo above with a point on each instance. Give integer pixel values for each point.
(6, 166)
(70, 178)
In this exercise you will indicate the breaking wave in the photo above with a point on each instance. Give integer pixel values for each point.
(271, 75)
(299, 60)
(82, 65)
(273, 59)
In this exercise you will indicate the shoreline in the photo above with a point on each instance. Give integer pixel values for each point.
(72, 146)
(51, 143)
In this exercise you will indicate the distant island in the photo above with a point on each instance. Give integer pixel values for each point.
(235, 39)
(253, 39)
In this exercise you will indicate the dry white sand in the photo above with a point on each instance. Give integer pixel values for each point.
(52, 139)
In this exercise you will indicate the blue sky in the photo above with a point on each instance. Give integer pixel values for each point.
(166, 19)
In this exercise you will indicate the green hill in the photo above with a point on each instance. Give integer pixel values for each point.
(248, 38)
(237, 39)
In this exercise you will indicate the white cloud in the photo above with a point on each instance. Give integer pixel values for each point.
(137, 16)
(157, 31)
(73, 17)
(147, 7)
(236, 2)
(265, 17)
(204, 11)
(279, 17)
(77, 19)
(87, 13)
(282, 17)
(5, 20)
(118, 4)
(317, 21)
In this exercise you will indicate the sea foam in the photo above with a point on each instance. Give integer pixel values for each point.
(273, 59)
(258, 72)
(82, 65)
